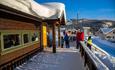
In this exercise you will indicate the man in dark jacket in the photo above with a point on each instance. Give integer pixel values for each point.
(66, 38)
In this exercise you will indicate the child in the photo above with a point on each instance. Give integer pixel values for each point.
(89, 42)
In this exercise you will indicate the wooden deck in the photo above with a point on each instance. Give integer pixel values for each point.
(64, 59)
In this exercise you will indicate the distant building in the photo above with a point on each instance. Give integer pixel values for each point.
(107, 33)
(94, 25)
(86, 30)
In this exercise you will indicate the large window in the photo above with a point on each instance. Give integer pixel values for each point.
(15, 39)
(113, 37)
(11, 40)
(34, 36)
(108, 36)
(0, 42)
(26, 38)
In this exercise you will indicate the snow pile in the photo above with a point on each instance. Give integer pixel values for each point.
(95, 59)
(103, 52)
(108, 43)
(53, 10)
(107, 60)
(104, 56)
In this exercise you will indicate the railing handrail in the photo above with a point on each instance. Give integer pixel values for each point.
(97, 62)
(93, 45)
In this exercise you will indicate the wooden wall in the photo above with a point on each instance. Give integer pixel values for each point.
(9, 24)
(15, 25)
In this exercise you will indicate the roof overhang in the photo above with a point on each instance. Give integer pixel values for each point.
(54, 12)
(60, 21)
(10, 13)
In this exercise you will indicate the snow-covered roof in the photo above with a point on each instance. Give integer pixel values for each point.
(106, 30)
(52, 10)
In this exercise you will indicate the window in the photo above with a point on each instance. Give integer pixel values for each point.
(113, 37)
(108, 36)
(25, 38)
(11, 40)
(34, 37)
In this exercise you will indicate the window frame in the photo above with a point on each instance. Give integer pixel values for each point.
(22, 44)
(6, 32)
(0, 43)
(31, 33)
(23, 37)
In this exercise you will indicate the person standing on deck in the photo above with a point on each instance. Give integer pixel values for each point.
(79, 37)
(66, 38)
(56, 38)
(82, 36)
(50, 38)
(62, 39)
(89, 42)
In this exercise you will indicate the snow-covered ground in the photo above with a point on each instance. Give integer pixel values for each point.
(107, 60)
(64, 59)
(105, 52)
(108, 43)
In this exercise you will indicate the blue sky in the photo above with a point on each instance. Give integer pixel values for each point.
(90, 9)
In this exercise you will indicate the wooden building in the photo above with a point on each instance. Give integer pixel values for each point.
(22, 35)
(19, 35)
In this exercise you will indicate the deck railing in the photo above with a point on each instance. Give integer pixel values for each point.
(90, 59)
(97, 49)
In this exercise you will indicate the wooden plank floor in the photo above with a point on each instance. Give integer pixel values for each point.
(64, 59)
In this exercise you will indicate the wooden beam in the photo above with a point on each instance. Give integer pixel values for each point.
(60, 21)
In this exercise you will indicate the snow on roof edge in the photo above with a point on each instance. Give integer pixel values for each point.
(52, 10)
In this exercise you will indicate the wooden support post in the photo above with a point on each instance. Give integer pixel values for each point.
(41, 37)
(54, 38)
(59, 39)
(44, 35)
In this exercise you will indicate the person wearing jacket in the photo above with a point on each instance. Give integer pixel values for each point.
(79, 37)
(66, 38)
(89, 42)
(50, 38)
